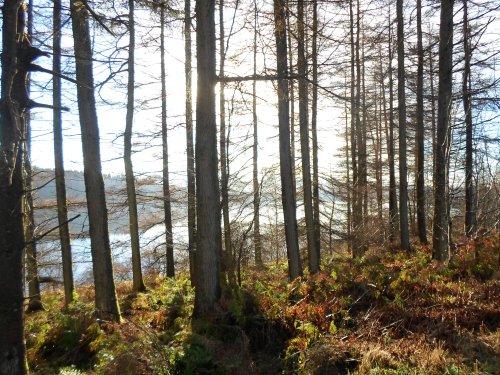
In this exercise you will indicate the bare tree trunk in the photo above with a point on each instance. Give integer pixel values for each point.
(62, 209)
(304, 141)
(470, 207)
(314, 129)
(208, 235)
(292, 97)
(191, 187)
(227, 256)
(378, 154)
(35, 299)
(355, 222)
(256, 191)
(292, 242)
(138, 283)
(441, 210)
(12, 350)
(403, 175)
(419, 173)
(433, 107)
(393, 200)
(363, 144)
(348, 182)
(106, 302)
(167, 207)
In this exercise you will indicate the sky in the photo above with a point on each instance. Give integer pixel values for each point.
(146, 158)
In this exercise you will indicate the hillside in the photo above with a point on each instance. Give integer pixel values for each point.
(388, 313)
(149, 192)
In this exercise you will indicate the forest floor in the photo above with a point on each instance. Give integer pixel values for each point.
(387, 313)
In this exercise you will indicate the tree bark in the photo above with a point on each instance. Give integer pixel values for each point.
(167, 206)
(441, 211)
(62, 209)
(355, 217)
(304, 141)
(12, 350)
(227, 256)
(255, 175)
(403, 175)
(291, 84)
(291, 233)
(191, 178)
(208, 235)
(35, 298)
(470, 208)
(138, 283)
(106, 302)
(314, 130)
(393, 200)
(419, 173)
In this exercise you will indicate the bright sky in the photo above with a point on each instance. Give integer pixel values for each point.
(146, 158)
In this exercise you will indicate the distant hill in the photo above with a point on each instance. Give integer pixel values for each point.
(149, 193)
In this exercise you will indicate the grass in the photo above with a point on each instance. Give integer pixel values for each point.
(388, 313)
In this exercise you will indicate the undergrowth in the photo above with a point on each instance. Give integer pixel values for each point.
(387, 313)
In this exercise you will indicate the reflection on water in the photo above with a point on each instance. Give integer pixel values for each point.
(152, 253)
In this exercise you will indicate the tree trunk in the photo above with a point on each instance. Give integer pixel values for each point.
(167, 207)
(403, 178)
(419, 173)
(355, 222)
(470, 209)
(291, 84)
(106, 302)
(304, 141)
(292, 242)
(227, 256)
(138, 283)
(191, 187)
(12, 351)
(208, 235)
(256, 190)
(363, 163)
(314, 129)
(441, 211)
(62, 209)
(393, 200)
(35, 299)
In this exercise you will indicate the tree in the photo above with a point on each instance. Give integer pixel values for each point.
(167, 207)
(314, 130)
(208, 236)
(106, 302)
(304, 141)
(355, 217)
(35, 298)
(62, 209)
(191, 187)
(255, 171)
(287, 185)
(441, 212)
(138, 283)
(12, 351)
(403, 178)
(393, 201)
(419, 137)
(224, 165)
(470, 209)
